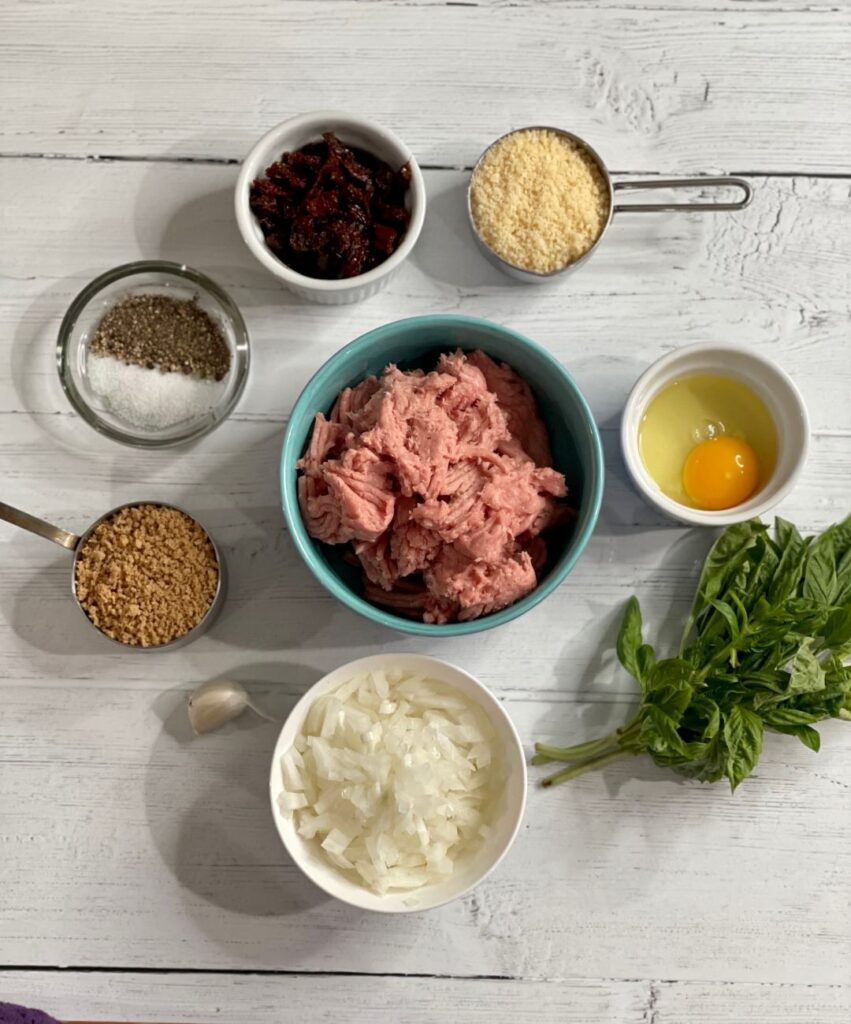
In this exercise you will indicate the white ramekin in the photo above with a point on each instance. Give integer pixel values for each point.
(503, 829)
(356, 131)
(773, 385)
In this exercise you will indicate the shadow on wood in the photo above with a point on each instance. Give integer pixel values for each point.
(222, 846)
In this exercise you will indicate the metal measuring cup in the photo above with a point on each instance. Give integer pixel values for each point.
(539, 277)
(74, 542)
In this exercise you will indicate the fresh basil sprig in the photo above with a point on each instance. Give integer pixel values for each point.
(763, 648)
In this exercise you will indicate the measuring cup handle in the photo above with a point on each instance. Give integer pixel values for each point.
(698, 207)
(38, 526)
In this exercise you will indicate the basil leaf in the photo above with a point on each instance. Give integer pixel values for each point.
(659, 733)
(841, 533)
(756, 574)
(825, 703)
(765, 700)
(837, 629)
(787, 575)
(702, 717)
(743, 731)
(820, 582)
(838, 674)
(807, 673)
(722, 563)
(843, 578)
(710, 767)
(646, 659)
(729, 616)
(808, 736)
(785, 533)
(773, 679)
(787, 716)
(771, 688)
(740, 609)
(629, 641)
(805, 733)
(670, 686)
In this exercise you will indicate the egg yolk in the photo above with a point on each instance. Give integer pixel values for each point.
(721, 473)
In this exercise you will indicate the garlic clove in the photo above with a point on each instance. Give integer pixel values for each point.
(215, 703)
(218, 702)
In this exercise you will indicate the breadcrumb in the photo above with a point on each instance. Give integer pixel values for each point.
(539, 200)
(147, 575)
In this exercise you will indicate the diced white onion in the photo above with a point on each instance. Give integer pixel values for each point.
(336, 841)
(291, 801)
(395, 777)
(292, 776)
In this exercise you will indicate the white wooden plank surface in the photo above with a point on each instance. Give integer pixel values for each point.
(634, 875)
(746, 86)
(128, 847)
(235, 999)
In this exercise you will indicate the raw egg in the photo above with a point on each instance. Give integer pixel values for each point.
(708, 441)
(721, 473)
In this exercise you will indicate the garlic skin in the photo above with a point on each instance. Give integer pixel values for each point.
(218, 702)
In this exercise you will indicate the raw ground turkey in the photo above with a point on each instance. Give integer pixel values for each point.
(442, 482)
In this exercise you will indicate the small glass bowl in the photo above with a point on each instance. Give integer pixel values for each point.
(146, 277)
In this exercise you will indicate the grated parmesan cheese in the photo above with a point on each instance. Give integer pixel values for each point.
(539, 200)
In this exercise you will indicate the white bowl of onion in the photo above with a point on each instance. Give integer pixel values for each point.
(398, 783)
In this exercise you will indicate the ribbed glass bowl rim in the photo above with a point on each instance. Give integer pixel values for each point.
(128, 270)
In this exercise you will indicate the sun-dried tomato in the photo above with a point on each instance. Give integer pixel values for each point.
(384, 238)
(330, 210)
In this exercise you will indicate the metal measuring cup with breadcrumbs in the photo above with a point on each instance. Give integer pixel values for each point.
(146, 575)
(540, 200)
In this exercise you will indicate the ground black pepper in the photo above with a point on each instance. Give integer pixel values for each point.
(163, 333)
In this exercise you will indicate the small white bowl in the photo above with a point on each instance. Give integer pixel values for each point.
(356, 131)
(765, 378)
(491, 851)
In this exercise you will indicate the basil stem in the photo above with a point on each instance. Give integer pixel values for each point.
(586, 766)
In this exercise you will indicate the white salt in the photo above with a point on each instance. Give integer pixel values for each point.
(151, 399)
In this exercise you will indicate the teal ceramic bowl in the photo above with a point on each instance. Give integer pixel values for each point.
(416, 343)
